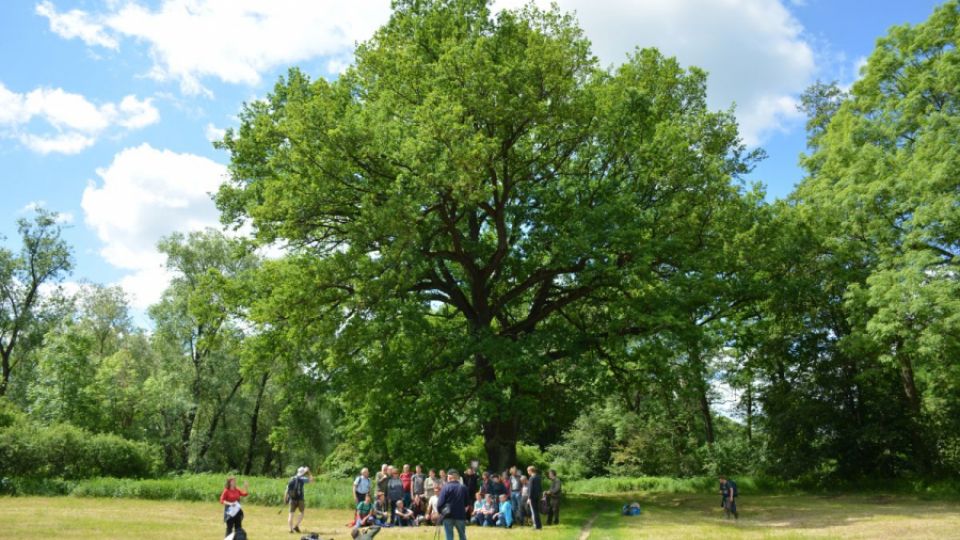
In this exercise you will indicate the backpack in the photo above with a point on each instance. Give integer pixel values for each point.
(294, 490)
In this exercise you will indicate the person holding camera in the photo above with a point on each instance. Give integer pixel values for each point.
(453, 506)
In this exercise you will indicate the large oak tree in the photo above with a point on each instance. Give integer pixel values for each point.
(462, 199)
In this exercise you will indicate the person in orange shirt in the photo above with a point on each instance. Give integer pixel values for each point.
(230, 499)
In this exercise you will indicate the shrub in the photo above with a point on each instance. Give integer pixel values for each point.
(64, 451)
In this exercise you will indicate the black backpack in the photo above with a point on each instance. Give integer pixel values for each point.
(240, 534)
(294, 489)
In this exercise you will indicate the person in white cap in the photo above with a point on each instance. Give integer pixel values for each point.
(295, 498)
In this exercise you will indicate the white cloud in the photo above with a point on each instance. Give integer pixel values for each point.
(144, 195)
(76, 24)
(214, 133)
(76, 122)
(754, 50)
(65, 143)
(235, 41)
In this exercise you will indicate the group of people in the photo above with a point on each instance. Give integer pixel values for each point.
(401, 498)
(405, 498)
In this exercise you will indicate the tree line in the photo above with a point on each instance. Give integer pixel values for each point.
(492, 241)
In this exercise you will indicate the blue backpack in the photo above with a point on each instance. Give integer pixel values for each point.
(630, 509)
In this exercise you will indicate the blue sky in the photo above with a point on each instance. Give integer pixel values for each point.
(107, 107)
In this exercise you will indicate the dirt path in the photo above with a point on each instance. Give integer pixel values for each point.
(585, 531)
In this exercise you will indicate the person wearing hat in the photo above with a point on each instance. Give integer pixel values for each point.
(295, 498)
(452, 505)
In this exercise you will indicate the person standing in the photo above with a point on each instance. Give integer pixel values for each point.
(230, 499)
(728, 497)
(361, 485)
(536, 493)
(453, 505)
(524, 500)
(406, 478)
(394, 491)
(382, 478)
(515, 492)
(295, 496)
(553, 499)
(416, 488)
(472, 482)
(430, 485)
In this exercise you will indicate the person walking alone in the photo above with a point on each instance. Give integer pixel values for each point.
(295, 497)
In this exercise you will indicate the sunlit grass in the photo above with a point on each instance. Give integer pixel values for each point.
(684, 516)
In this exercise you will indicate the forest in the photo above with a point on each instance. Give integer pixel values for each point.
(486, 245)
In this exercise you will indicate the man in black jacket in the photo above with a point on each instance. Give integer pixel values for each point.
(452, 504)
(536, 493)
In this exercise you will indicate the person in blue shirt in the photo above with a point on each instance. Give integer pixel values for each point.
(504, 517)
(728, 497)
(452, 504)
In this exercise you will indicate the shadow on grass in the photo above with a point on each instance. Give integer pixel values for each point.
(784, 512)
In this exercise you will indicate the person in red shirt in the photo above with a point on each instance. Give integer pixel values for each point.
(230, 499)
(406, 478)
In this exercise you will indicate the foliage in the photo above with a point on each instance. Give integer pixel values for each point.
(462, 204)
(43, 259)
(64, 451)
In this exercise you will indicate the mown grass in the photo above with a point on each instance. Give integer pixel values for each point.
(677, 515)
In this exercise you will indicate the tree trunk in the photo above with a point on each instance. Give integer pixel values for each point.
(254, 424)
(705, 411)
(212, 429)
(909, 384)
(187, 434)
(750, 411)
(5, 361)
(500, 442)
(702, 390)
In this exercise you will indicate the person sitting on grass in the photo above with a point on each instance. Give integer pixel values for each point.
(381, 510)
(487, 512)
(477, 514)
(365, 515)
(504, 515)
(230, 499)
(419, 507)
(402, 516)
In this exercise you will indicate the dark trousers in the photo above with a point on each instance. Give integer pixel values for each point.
(553, 510)
(535, 507)
(234, 523)
(359, 496)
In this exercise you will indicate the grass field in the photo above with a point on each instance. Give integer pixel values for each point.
(682, 516)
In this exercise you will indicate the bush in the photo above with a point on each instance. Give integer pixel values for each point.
(325, 492)
(64, 451)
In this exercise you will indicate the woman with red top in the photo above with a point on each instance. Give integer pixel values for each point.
(230, 499)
